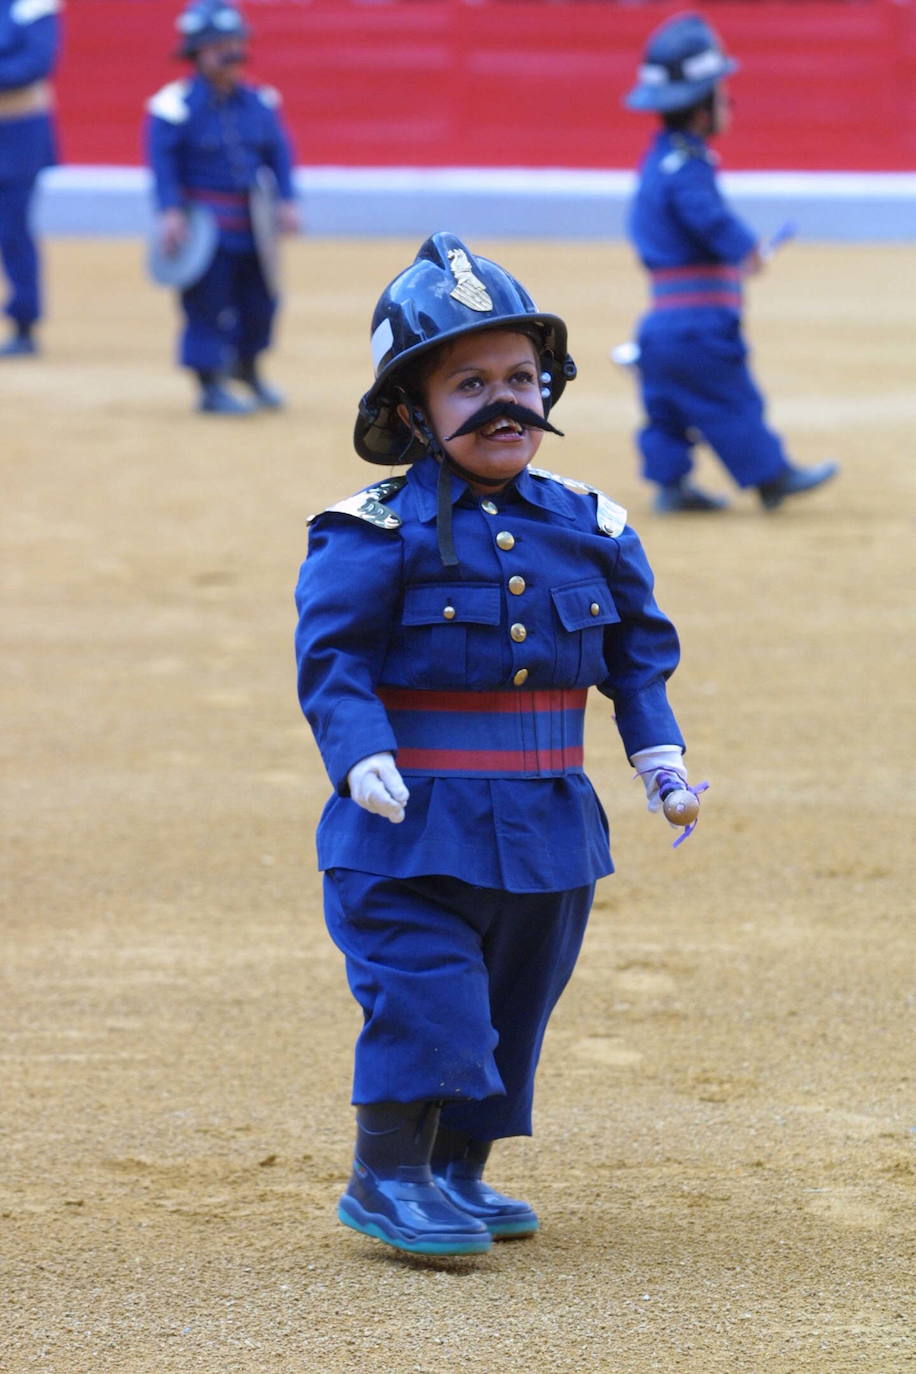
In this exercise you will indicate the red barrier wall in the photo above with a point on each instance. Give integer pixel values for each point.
(824, 85)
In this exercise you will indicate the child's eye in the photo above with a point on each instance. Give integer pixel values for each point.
(469, 384)
(525, 377)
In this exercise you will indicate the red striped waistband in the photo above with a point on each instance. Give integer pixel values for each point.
(487, 734)
(681, 288)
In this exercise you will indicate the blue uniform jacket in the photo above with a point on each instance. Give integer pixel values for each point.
(29, 43)
(543, 605)
(207, 147)
(687, 237)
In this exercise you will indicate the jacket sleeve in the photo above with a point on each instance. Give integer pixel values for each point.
(347, 596)
(641, 652)
(701, 208)
(163, 143)
(34, 56)
(278, 151)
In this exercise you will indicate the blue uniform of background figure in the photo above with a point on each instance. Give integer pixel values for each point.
(693, 359)
(208, 148)
(461, 926)
(29, 44)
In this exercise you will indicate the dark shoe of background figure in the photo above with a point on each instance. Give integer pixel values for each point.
(409, 1213)
(684, 496)
(267, 397)
(19, 346)
(216, 400)
(772, 494)
(503, 1216)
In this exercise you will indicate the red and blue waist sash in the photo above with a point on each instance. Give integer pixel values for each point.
(230, 208)
(685, 288)
(512, 733)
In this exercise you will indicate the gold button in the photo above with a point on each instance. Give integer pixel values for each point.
(595, 608)
(449, 612)
(516, 585)
(518, 632)
(521, 677)
(489, 507)
(505, 540)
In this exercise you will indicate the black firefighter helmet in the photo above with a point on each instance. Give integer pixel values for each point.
(445, 293)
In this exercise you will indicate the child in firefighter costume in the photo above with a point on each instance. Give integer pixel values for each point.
(451, 622)
(209, 141)
(692, 357)
(29, 44)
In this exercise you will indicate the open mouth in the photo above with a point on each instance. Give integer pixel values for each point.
(502, 420)
(503, 428)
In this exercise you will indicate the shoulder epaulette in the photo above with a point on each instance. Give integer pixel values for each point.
(369, 505)
(27, 11)
(611, 517)
(270, 96)
(684, 152)
(171, 102)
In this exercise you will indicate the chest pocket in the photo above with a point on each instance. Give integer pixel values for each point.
(448, 635)
(585, 610)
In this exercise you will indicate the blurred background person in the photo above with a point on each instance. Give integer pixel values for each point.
(217, 143)
(692, 359)
(29, 44)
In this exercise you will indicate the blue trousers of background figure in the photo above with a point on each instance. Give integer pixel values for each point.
(19, 252)
(456, 984)
(229, 313)
(699, 381)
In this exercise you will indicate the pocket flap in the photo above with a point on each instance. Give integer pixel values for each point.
(446, 603)
(583, 604)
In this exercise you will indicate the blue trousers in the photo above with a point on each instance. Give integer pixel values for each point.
(456, 985)
(19, 252)
(696, 384)
(228, 313)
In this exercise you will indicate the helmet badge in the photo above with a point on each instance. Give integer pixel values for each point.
(469, 290)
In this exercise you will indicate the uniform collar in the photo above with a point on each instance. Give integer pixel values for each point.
(672, 138)
(210, 93)
(424, 475)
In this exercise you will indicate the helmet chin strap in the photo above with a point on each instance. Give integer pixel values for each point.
(444, 536)
(447, 465)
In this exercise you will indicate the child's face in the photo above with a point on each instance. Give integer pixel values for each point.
(220, 61)
(474, 371)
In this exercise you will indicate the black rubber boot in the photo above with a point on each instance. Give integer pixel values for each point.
(391, 1194)
(458, 1163)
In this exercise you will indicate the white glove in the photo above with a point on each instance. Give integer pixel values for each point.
(649, 762)
(377, 786)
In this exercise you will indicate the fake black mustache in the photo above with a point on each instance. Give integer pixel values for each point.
(496, 410)
(233, 58)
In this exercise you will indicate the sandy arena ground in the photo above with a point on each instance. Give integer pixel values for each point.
(723, 1159)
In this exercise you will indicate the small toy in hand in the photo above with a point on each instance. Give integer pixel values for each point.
(680, 803)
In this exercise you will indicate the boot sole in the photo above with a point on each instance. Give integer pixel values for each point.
(509, 1230)
(368, 1225)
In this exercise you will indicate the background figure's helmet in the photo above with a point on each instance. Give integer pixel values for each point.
(445, 293)
(207, 21)
(682, 64)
